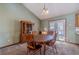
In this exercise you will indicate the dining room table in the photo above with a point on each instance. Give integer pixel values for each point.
(43, 39)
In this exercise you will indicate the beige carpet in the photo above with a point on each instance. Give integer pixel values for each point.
(62, 49)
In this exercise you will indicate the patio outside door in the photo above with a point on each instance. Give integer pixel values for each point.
(59, 26)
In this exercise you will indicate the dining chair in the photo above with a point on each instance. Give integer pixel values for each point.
(33, 47)
(52, 42)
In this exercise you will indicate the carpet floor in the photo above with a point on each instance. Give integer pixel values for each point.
(63, 48)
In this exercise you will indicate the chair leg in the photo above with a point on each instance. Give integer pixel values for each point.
(27, 51)
(55, 49)
(44, 49)
(40, 51)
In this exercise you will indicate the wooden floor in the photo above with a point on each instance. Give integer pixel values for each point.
(63, 48)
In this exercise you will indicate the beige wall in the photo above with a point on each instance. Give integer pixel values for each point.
(9, 22)
(71, 31)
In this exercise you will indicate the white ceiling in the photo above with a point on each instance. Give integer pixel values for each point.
(55, 9)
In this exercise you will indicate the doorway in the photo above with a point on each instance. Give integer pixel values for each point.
(60, 27)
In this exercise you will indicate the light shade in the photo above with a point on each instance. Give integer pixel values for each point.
(45, 11)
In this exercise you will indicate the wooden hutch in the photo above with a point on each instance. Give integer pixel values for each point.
(26, 31)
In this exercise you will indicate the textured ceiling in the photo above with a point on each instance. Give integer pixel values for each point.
(55, 9)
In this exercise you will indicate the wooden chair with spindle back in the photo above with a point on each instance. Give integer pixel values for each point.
(33, 46)
(53, 41)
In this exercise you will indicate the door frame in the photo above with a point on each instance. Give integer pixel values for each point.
(65, 26)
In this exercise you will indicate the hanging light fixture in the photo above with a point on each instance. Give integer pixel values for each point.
(45, 10)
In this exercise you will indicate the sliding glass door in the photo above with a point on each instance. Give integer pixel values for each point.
(59, 26)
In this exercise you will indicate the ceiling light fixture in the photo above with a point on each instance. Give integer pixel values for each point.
(45, 10)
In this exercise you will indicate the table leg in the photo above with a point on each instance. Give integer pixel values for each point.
(44, 49)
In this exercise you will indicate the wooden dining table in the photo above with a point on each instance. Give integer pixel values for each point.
(43, 39)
